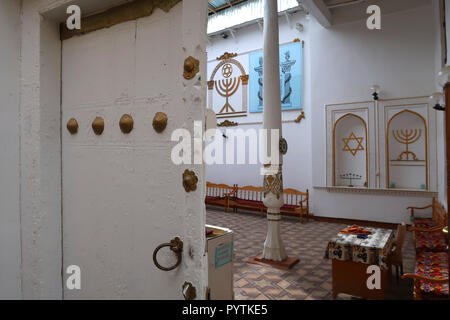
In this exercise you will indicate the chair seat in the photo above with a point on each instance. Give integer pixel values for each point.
(209, 198)
(249, 202)
(289, 207)
(424, 223)
(433, 265)
(431, 241)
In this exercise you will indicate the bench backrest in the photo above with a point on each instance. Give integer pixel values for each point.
(296, 197)
(290, 196)
(440, 216)
(217, 190)
(250, 193)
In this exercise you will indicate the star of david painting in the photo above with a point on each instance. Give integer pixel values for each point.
(291, 78)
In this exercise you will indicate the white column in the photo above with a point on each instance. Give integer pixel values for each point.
(273, 182)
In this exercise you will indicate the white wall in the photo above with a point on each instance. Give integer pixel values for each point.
(345, 61)
(10, 287)
(297, 162)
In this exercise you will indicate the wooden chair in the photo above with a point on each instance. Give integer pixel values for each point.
(439, 217)
(427, 231)
(396, 254)
(296, 201)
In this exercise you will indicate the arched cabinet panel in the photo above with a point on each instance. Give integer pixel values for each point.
(351, 145)
(407, 138)
(350, 151)
(407, 151)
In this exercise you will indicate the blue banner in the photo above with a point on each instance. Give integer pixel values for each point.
(291, 78)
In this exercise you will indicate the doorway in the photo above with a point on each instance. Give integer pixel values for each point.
(110, 199)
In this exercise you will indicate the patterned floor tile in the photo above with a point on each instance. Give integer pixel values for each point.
(310, 279)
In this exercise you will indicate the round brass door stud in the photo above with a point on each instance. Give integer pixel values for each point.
(72, 126)
(98, 125)
(191, 67)
(126, 123)
(189, 180)
(160, 121)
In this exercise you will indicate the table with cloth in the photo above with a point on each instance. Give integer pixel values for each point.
(351, 256)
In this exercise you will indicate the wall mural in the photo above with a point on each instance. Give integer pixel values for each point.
(227, 81)
(227, 87)
(291, 77)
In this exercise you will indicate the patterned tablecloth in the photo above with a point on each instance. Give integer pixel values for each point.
(373, 250)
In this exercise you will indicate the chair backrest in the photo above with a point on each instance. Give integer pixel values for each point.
(217, 190)
(250, 193)
(296, 197)
(440, 216)
(400, 239)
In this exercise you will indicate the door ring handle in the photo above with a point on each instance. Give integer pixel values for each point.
(176, 245)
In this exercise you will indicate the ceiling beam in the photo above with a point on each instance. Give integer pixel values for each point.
(211, 8)
(345, 3)
(319, 10)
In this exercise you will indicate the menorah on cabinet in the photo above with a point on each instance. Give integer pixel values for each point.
(351, 177)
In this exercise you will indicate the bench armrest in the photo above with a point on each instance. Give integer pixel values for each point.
(419, 208)
(423, 278)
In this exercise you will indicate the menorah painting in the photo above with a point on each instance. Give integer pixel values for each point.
(228, 80)
(291, 81)
(407, 137)
(227, 87)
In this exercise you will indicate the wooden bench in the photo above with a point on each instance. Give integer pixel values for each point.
(296, 202)
(251, 198)
(430, 276)
(219, 194)
(431, 270)
(427, 231)
(248, 198)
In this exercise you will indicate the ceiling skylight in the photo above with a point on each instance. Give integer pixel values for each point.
(241, 12)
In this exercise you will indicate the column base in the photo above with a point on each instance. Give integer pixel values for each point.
(286, 264)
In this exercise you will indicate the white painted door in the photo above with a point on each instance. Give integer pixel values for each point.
(122, 195)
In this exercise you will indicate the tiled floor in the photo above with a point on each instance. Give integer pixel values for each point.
(310, 279)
